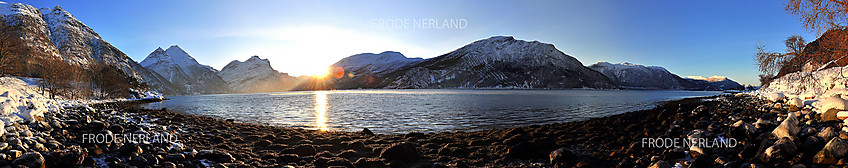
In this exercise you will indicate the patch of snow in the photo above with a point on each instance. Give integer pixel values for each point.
(774, 97)
(22, 101)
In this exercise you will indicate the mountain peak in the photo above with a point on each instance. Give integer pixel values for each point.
(159, 49)
(390, 52)
(175, 48)
(256, 58)
(500, 38)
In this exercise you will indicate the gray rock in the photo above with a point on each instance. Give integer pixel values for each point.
(401, 151)
(130, 148)
(216, 156)
(830, 115)
(30, 159)
(827, 133)
(561, 155)
(832, 152)
(787, 128)
(781, 150)
(304, 150)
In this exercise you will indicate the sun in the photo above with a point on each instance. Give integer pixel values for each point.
(335, 72)
(322, 74)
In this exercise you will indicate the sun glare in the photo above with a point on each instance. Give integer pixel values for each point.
(322, 74)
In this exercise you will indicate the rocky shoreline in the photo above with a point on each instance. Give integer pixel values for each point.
(764, 134)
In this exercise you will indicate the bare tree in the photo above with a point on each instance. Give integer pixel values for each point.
(818, 15)
(771, 63)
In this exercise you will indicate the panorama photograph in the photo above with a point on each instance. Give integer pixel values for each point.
(424, 84)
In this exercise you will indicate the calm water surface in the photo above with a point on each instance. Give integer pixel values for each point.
(402, 111)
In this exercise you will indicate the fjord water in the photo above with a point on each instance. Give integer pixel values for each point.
(402, 111)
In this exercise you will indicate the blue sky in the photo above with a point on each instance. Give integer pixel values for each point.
(689, 38)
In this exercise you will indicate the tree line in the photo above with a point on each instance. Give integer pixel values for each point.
(59, 77)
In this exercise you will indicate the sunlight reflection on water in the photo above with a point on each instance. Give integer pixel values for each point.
(321, 110)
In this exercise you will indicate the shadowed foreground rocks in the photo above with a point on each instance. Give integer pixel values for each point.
(765, 135)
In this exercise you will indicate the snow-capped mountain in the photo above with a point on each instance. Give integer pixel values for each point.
(160, 62)
(633, 76)
(255, 75)
(58, 34)
(365, 70)
(184, 72)
(713, 83)
(371, 63)
(500, 62)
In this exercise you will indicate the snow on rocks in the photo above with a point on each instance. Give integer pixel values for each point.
(829, 103)
(22, 101)
(796, 102)
(825, 92)
(775, 97)
(787, 128)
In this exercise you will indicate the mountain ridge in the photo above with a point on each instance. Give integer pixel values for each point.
(58, 34)
(184, 72)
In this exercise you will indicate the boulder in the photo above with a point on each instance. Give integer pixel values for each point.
(787, 128)
(130, 149)
(827, 133)
(401, 151)
(73, 155)
(216, 156)
(832, 152)
(798, 103)
(561, 155)
(783, 149)
(775, 97)
(138, 161)
(304, 150)
(366, 131)
(842, 115)
(829, 103)
(830, 115)
(31, 115)
(30, 159)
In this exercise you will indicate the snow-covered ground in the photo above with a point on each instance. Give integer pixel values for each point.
(820, 90)
(22, 100)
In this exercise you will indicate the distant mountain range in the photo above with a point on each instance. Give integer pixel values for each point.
(499, 62)
(633, 76)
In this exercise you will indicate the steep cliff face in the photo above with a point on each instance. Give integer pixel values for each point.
(500, 62)
(56, 33)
